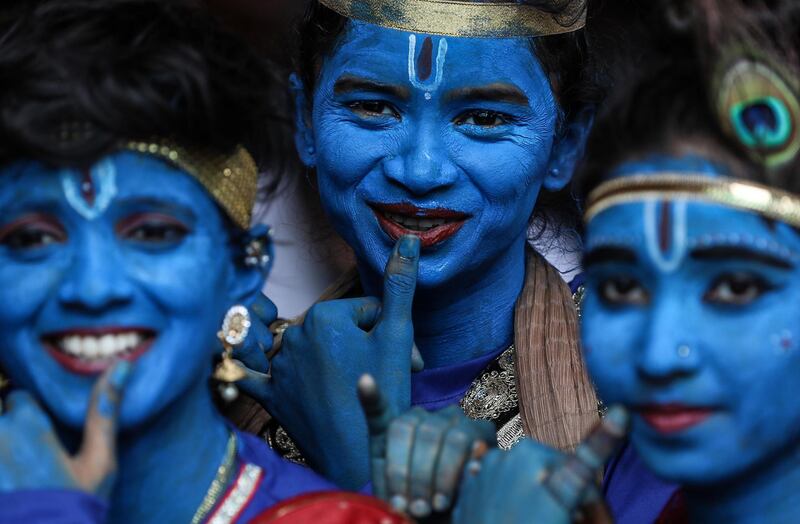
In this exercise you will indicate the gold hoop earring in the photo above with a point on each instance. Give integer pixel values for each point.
(235, 327)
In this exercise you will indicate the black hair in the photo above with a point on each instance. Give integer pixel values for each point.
(77, 77)
(666, 96)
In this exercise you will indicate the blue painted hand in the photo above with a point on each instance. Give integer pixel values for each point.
(417, 459)
(312, 389)
(534, 483)
(32, 456)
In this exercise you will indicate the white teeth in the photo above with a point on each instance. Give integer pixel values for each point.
(103, 347)
(71, 345)
(90, 347)
(417, 223)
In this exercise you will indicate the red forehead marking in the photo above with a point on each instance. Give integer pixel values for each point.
(425, 60)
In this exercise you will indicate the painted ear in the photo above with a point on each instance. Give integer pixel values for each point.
(568, 149)
(255, 255)
(304, 134)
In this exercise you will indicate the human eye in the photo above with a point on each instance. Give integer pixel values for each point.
(623, 291)
(32, 232)
(373, 109)
(152, 229)
(737, 289)
(483, 118)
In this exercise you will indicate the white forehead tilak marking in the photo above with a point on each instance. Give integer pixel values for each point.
(104, 186)
(441, 55)
(671, 260)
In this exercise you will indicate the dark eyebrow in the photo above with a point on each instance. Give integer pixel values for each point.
(609, 254)
(740, 253)
(349, 84)
(499, 92)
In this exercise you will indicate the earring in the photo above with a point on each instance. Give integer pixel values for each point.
(234, 331)
(554, 172)
(684, 351)
(256, 251)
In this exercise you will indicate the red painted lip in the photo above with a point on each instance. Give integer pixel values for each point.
(427, 238)
(96, 366)
(673, 418)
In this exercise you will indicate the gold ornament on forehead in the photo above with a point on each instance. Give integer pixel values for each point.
(463, 18)
(231, 179)
(748, 196)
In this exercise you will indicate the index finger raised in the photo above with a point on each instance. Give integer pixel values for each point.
(400, 280)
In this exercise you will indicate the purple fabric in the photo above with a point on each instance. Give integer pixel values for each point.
(634, 494)
(282, 479)
(51, 506)
(434, 389)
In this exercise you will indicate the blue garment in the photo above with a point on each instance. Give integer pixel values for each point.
(634, 494)
(51, 506)
(279, 480)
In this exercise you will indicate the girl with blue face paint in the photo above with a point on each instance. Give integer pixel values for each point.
(435, 140)
(692, 279)
(691, 274)
(125, 203)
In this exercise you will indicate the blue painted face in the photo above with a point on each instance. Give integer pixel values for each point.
(130, 260)
(691, 320)
(451, 139)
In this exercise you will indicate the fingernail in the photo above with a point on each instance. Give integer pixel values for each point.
(398, 502)
(119, 376)
(616, 420)
(420, 508)
(408, 246)
(441, 502)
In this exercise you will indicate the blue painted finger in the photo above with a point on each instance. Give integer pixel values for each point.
(400, 281)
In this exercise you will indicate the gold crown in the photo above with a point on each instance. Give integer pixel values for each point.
(730, 192)
(232, 179)
(495, 19)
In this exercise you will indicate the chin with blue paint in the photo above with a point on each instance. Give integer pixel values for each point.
(690, 320)
(98, 267)
(448, 139)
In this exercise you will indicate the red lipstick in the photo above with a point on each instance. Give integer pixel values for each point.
(432, 226)
(673, 418)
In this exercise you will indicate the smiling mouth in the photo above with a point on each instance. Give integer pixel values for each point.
(673, 418)
(90, 352)
(432, 226)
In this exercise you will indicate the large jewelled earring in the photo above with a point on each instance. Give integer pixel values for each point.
(234, 331)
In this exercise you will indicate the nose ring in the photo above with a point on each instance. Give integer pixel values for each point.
(684, 351)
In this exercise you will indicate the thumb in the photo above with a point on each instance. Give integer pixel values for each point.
(96, 461)
(570, 482)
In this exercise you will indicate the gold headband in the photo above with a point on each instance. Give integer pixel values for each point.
(501, 19)
(740, 194)
(231, 179)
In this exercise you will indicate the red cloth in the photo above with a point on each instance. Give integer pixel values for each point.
(332, 508)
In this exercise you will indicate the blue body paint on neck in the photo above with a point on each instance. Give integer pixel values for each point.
(460, 140)
(144, 272)
(699, 340)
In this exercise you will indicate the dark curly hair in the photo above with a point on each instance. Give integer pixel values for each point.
(79, 76)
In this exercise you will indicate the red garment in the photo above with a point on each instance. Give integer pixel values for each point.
(332, 508)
